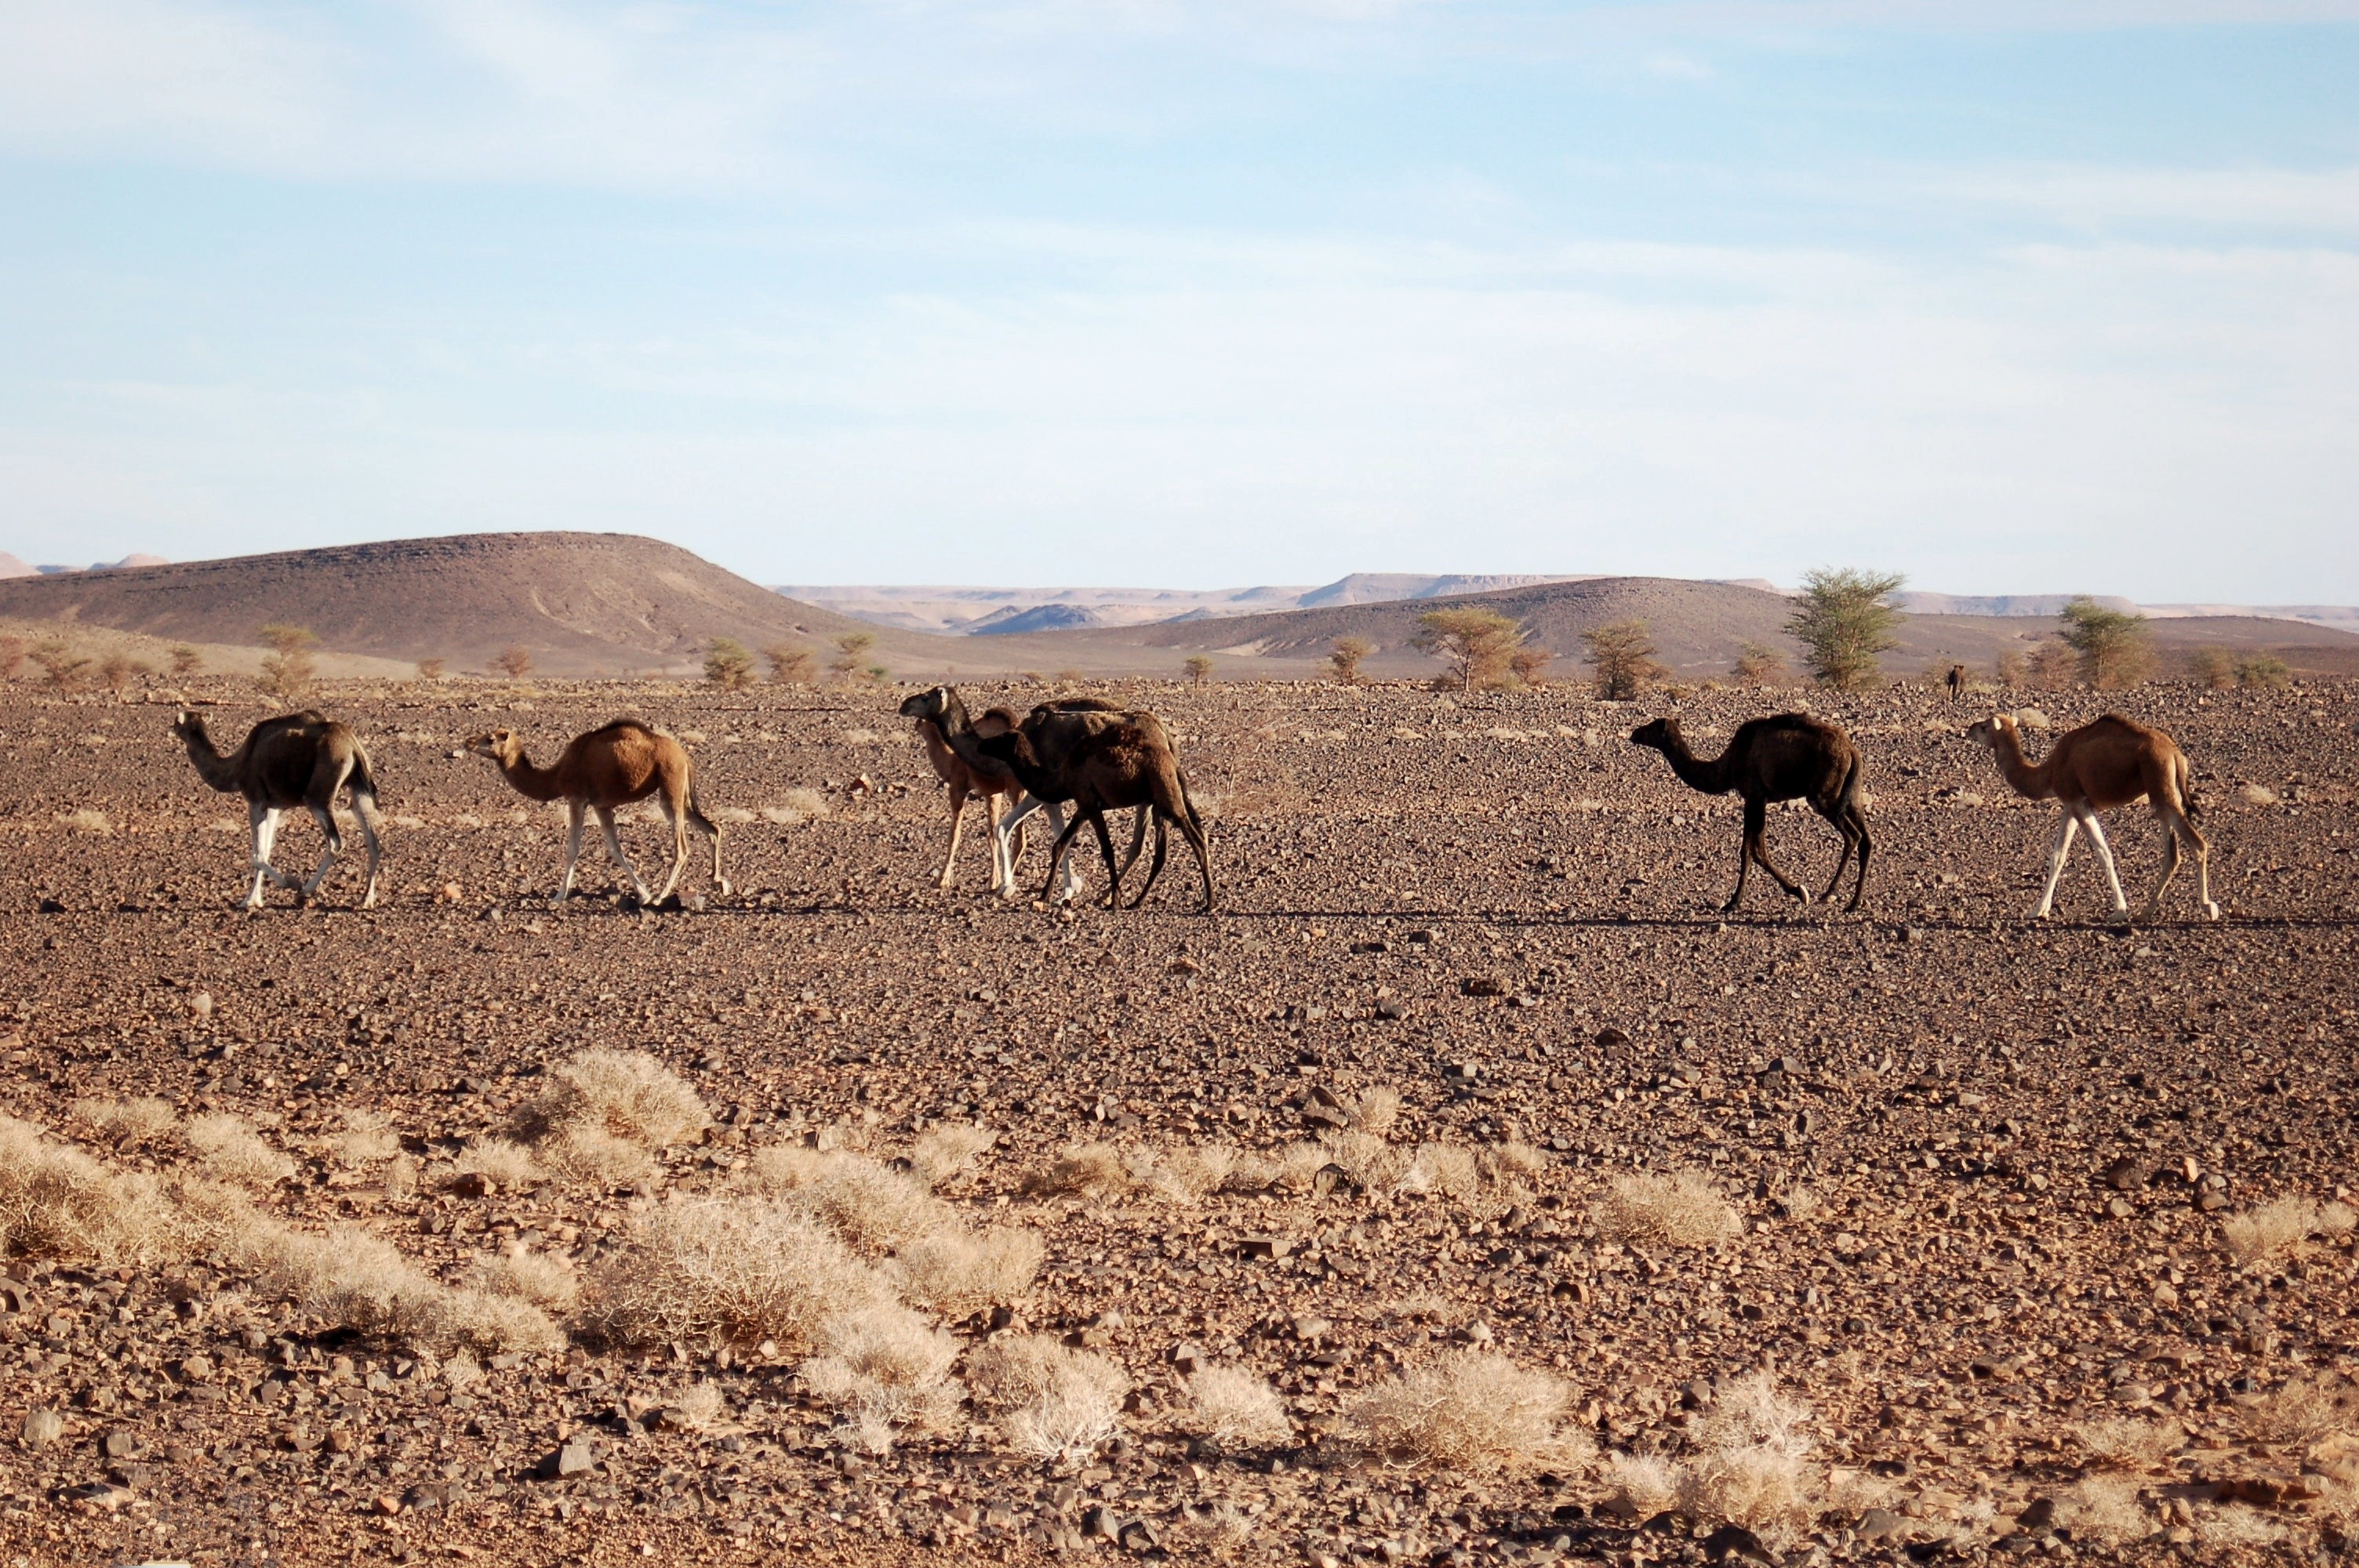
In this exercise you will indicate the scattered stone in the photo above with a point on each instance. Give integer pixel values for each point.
(43, 1427)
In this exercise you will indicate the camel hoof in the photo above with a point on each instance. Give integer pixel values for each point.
(2210, 911)
(726, 890)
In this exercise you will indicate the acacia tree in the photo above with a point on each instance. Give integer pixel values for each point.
(431, 669)
(1343, 656)
(1757, 664)
(185, 660)
(60, 665)
(2117, 647)
(728, 664)
(12, 657)
(515, 661)
(1842, 622)
(1478, 644)
(288, 669)
(1622, 659)
(116, 670)
(791, 664)
(1529, 663)
(1199, 667)
(850, 654)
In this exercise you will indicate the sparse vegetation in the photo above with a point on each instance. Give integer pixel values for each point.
(851, 656)
(1680, 1210)
(2212, 666)
(61, 668)
(1843, 620)
(233, 1151)
(2115, 647)
(1472, 1411)
(2052, 665)
(115, 671)
(1622, 660)
(2280, 1225)
(2263, 672)
(1198, 668)
(1758, 665)
(1478, 645)
(431, 669)
(1343, 656)
(1529, 664)
(187, 661)
(728, 663)
(289, 668)
(12, 657)
(604, 1112)
(515, 661)
(791, 664)
(1233, 1408)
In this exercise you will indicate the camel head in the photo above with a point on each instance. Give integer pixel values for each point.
(1988, 731)
(189, 727)
(931, 704)
(1656, 733)
(501, 746)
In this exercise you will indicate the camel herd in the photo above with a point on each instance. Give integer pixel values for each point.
(1079, 759)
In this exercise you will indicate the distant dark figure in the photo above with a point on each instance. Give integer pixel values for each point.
(1786, 756)
(1956, 681)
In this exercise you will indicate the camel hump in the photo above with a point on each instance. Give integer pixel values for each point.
(618, 728)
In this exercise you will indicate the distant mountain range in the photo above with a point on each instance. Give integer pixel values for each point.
(11, 567)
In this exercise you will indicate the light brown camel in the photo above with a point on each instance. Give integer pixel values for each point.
(294, 760)
(2106, 763)
(966, 777)
(602, 770)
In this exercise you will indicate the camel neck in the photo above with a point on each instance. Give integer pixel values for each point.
(1693, 771)
(216, 769)
(2029, 782)
(533, 783)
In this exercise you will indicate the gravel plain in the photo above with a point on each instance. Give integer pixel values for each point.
(1980, 1172)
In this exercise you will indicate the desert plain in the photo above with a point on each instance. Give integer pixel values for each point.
(1468, 1189)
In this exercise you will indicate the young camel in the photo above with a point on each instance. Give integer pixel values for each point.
(2109, 761)
(1104, 766)
(294, 760)
(1786, 756)
(966, 777)
(602, 770)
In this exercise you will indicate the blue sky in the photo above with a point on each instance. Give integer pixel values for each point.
(2010, 297)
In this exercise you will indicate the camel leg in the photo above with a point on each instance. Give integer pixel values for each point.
(2065, 831)
(1057, 854)
(2202, 853)
(1106, 848)
(1858, 820)
(263, 823)
(326, 818)
(615, 847)
(2105, 858)
(1155, 866)
(1757, 824)
(365, 808)
(2167, 817)
(1008, 830)
(1139, 820)
(1840, 821)
(575, 811)
(947, 875)
(675, 813)
(1193, 831)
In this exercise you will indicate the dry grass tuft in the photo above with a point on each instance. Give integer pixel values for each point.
(1505, 1164)
(1680, 1210)
(1059, 1403)
(58, 1202)
(2104, 1512)
(1641, 1486)
(367, 1139)
(2125, 1443)
(1474, 1412)
(593, 1155)
(233, 1151)
(698, 1406)
(357, 1280)
(1444, 1169)
(1750, 1462)
(949, 1148)
(1081, 1170)
(1374, 1111)
(874, 1207)
(2234, 1527)
(400, 1177)
(1233, 1408)
(540, 1278)
(2304, 1412)
(85, 820)
(954, 1272)
(506, 1163)
(883, 1367)
(795, 807)
(727, 1272)
(135, 1120)
(2280, 1225)
(602, 1098)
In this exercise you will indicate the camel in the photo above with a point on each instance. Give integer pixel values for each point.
(2108, 762)
(1955, 681)
(1786, 756)
(943, 722)
(294, 760)
(1102, 764)
(604, 769)
(965, 777)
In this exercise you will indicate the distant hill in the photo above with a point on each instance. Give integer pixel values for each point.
(11, 567)
(994, 611)
(582, 603)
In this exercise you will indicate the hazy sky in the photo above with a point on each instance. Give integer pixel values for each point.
(2011, 294)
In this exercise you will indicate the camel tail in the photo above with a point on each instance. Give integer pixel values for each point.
(1854, 779)
(362, 780)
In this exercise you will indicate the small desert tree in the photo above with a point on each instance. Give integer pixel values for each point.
(1478, 644)
(2009, 670)
(12, 657)
(185, 660)
(850, 654)
(116, 670)
(2212, 667)
(2051, 667)
(728, 664)
(1842, 622)
(2263, 672)
(1343, 656)
(2115, 646)
(1529, 664)
(60, 665)
(1199, 667)
(1757, 664)
(429, 669)
(1622, 659)
(515, 661)
(791, 664)
(288, 669)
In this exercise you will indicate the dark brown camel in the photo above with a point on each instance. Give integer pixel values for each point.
(1102, 766)
(295, 760)
(1786, 756)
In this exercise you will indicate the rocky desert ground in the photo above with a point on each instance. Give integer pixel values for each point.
(1469, 1190)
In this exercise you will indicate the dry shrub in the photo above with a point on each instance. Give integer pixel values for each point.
(2300, 1413)
(795, 807)
(1750, 1462)
(367, 1137)
(601, 1098)
(1444, 1169)
(1474, 1412)
(727, 1272)
(1374, 1111)
(356, 1281)
(58, 1202)
(883, 1367)
(233, 1151)
(874, 1207)
(1365, 1158)
(955, 1274)
(85, 820)
(698, 1407)
(540, 1278)
(1680, 1210)
(1503, 1164)
(1221, 1529)
(1234, 1408)
(134, 1120)
(506, 1163)
(1081, 1170)
(2236, 1528)
(596, 1156)
(949, 1148)
(1059, 1403)
(400, 1177)
(1192, 1175)
(2103, 1510)
(1641, 1486)
(2125, 1443)
(2280, 1225)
